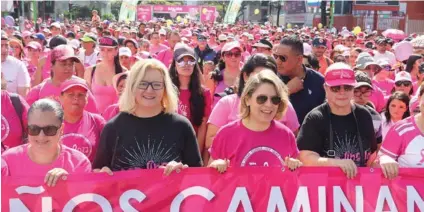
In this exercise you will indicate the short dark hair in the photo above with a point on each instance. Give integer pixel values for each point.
(362, 77)
(256, 60)
(294, 43)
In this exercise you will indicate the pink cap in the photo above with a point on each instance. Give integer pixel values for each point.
(257, 36)
(339, 74)
(73, 82)
(34, 45)
(26, 33)
(116, 78)
(186, 33)
(63, 52)
(231, 45)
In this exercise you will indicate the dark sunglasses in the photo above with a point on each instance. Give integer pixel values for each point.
(34, 130)
(261, 99)
(359, 93)
(404, 83)
(336, 89)
(231, 54)
(281, 57)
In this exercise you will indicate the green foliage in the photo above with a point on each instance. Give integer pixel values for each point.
(109, 17)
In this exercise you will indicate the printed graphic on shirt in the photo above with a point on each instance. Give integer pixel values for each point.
(262, 156)
(146, 155)
(182, 109)
(346, 146)
(78, 142)
(5, 128)
(414, 152)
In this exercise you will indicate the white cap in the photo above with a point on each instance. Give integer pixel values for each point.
(403, 76)
(74, 43)
(162, 32)
(55, 24)
(222, 37)
(125, 51)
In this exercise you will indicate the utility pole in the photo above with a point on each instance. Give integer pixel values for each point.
(323, 13)
(278, 13)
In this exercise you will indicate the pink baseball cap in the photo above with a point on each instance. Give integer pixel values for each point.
(34, 45)
(231, 45)
(339, 74)
(26, 34)
(73, 82)
(64, 52)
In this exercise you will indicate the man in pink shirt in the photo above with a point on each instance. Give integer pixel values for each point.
(166, 56)
(63, 60)
(155, 45)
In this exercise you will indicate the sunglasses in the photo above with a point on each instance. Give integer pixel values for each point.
(281, 57)
(261, 99)
(403, 83)
(184, 63)
(231, 54)
(337, 89)
(34, 130)
(145, 85)
(359, 93)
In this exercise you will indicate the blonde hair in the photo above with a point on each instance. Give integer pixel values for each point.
(127, 102)
(265, 76)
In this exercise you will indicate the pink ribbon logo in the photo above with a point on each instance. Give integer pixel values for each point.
(422, 158)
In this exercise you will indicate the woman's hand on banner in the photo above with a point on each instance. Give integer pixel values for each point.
(173, 166)
(53, 176)
(220, 165)
(105, 169)
(292, 163)
(348, 167)
(389, 167)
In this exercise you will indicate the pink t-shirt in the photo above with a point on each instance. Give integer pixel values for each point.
(110, 112)
(228, 108)
(156, 49)
(47, 90)
(377, 98)
(47, 66)
(11, 128)
(244, 147)
(184, 105)
(165, 57)
(84, 135)
(405, 143)
(385, 86)
(16, 162)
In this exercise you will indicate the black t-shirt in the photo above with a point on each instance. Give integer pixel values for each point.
(130, 142)
(312, 94)
(314, 134)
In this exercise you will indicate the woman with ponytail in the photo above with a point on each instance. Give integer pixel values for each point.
(99, 77)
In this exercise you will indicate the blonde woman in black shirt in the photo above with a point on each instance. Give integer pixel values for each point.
(148, 133)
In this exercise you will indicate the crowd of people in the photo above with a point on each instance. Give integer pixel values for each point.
(102, 96)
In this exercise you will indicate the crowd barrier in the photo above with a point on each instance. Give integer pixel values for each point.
(203, 189)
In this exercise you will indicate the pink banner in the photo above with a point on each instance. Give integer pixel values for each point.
(208, 14)
(202, 189)
(176, 8)
(144, 13)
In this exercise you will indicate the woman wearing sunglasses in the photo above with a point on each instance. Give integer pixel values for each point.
(228, 68)
(403, 145)
(257, 139)
(16, 49)
(403, 83)
(397, 108)
(412, 67)
(81, 128)
(194, 100)
(148, 133)
(44, 155)
(227, 109)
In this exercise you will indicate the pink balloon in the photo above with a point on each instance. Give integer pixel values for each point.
(173, 14)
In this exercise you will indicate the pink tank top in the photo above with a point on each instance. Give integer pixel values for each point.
(104, 95)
